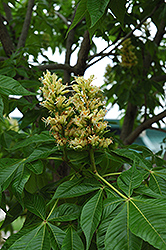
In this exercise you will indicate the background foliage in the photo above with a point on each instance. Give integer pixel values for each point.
(65, 209)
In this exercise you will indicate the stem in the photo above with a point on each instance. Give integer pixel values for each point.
(92, 159)
(108, 184)
(112, 174)
(52, 208)
(54, 158)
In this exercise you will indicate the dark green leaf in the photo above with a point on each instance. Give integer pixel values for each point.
(72, 241)
(9, 86)
(65, 212)
(8, 169)
(148, 219)
(76, 187)
(35, 203)
(96, 9)
(119, 236)
(130, 179)
(57, 236)
(90, 216)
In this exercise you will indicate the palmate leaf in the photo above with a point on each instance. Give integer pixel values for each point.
(72, 241)
(33, 237)
(157, 183)
(130, 179)
(57, 236)
(119, 236)
(147, 220)
(90, 216)
(65, 212)
(9, 86)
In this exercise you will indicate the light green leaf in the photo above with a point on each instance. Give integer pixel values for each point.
(119, 236)
(72, 241)
(34, 238)
(9, 86)
(65, 212)
(130, 179)
(8, 169)
(76, 187)
(90, 216)
(35, 203)
(96, 9)
(57, 236)
(148, 219)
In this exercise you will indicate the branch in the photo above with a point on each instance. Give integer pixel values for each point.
(83, 55)
(25, 28)
(6, 41)
(127, 36)
(8, 12)
(54, 66)
(146, 124)
(62, 18)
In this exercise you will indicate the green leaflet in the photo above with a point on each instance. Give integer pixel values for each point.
(57, 236)
(34, 237)
(90, 216)
(130, 179)
(9, 86)
(41, 138)
(1, 108)
(76, 187)
(36, 204)
(119, 236)
(20, 179)
(80, 13)
(96, 9)
(147, 219)
(65, 212)
(8, 169)
(72, 241)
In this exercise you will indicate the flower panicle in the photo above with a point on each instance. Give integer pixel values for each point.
(77, 118)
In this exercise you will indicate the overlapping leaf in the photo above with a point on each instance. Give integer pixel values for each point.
(65, 212)
(72, 241)
(90, 216)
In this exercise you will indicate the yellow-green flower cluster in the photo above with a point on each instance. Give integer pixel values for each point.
(77, 113)
(129, 58)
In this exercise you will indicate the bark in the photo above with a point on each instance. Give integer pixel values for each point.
(128, 121)
(81, 64)
(145, 125)
(26, 25)
(6, 41)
